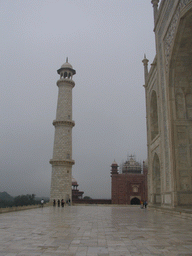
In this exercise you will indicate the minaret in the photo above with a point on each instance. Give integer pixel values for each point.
(62, 162)
(145, 64)
(155, 8)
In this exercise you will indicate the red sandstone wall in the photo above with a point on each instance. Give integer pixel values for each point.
(122, 187)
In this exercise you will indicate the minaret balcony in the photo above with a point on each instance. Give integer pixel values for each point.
(64, 123)
(62, 162)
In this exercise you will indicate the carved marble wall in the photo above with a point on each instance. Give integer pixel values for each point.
(170, 139)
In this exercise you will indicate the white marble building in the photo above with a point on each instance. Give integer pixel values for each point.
(168, 87)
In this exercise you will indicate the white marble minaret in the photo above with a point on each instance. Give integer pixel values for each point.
(62, 162)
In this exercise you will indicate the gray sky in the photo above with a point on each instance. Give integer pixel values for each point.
(105, 42)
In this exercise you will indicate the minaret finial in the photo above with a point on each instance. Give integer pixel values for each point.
(144, 56)
(67, 60)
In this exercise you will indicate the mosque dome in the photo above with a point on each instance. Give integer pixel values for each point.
(131, 166)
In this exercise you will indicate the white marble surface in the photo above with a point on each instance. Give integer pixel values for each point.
(94, 231)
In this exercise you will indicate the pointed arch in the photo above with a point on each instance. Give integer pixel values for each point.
(135, 201)
(180, 89)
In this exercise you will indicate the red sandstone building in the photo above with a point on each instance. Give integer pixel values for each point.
(76, 194)
(130, 186)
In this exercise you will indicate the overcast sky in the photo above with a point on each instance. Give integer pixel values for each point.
(105, 41)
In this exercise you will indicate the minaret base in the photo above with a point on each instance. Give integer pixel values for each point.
(61, 183)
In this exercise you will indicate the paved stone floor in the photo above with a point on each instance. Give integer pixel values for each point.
(94, 230)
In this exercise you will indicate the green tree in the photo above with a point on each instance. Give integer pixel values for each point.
(24, 200)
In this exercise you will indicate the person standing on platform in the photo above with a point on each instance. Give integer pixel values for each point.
(42, 202)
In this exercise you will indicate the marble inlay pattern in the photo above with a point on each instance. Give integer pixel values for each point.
(172, 29)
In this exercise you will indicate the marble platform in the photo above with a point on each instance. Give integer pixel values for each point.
(94, 231)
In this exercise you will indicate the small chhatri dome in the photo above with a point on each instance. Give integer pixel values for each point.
(66, 64)
(66, 70)
(74, 182)
(73, 179)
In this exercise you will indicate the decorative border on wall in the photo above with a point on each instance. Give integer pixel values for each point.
(172, 30)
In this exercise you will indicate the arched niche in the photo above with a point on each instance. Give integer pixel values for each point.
(153, 115)
(180, 88)
(156, 179)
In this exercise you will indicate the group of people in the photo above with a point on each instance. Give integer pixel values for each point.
(61, 202)
(143, 204)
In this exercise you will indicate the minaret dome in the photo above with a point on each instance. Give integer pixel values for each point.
(66, 71)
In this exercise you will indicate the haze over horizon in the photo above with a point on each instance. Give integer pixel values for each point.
(105, 43)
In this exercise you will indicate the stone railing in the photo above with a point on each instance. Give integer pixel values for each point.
(21, 208)
(92, 201)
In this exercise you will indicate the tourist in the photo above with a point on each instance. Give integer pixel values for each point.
(62, 203)
(54, 202)
(58, 203)
(42, 202)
